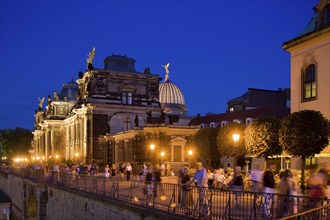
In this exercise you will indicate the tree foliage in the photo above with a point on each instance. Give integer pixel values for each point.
(225, 142)
(304, 133)
(206, 145)
(15, 142)
(261, 137)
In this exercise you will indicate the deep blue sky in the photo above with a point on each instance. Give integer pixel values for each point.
(217, 49)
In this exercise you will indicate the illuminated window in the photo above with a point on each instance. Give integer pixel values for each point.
(231, 109)
(309, 82)
(127, 98)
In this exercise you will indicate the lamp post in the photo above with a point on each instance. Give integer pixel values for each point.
(77, 157)
(162, 154)
(236, 138)
(190, 153)
(152, 148)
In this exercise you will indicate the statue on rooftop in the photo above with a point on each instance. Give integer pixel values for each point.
(90, 59)
(55, 96)
(136, 121)
(149, 117)
(41, 102)
(166, 71)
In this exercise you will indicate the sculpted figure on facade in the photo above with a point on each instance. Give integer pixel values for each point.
(55, 96)
(90, 59)
(84, 79)
(136, 121)
(41, 102)
(166, 71)
(149, 117)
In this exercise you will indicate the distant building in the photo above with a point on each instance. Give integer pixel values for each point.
(310, 69)
(256, 98)
(252, 104)
(112, 115)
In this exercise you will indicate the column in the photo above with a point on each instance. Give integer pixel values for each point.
(52, 143)
(172, 153)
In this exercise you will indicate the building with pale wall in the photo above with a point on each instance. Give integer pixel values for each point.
(310, 69)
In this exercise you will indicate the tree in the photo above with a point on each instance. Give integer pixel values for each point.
(304, 134)
(206, 144)
(261, 137)
(15, 142)
(226, 145)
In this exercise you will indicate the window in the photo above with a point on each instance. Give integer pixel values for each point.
(248, 121)
(309, 82)
(127, 123)
(326, 15)
(214, 124)
(127, 98)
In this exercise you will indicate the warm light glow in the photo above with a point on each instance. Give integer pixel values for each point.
(43, 158)
(173, 205)
(135, 199)
(38, 158)
(163, 197)
(190, 152)
(77, 154)
(162, 154)
(152, 146)
(57, 156)
(236, 137)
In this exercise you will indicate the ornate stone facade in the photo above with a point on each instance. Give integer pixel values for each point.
(110, 103)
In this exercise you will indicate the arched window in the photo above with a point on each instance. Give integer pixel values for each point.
(309, 82)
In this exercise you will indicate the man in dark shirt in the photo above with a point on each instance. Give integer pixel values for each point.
(269, 188)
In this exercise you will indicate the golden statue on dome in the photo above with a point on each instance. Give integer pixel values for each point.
(166, 71)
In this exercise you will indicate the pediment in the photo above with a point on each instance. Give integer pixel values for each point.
(126, 88)
(178, 139)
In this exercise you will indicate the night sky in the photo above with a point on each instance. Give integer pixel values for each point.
(216, 49)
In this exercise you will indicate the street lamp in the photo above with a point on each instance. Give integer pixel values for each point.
(190, 153)
(152, 148)
(77, 156)
(236, 140)
(162, 154)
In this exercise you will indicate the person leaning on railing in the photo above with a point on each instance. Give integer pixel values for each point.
(202, 183)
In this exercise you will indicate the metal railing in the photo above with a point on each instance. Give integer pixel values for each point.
(194, 202)
(319, 213)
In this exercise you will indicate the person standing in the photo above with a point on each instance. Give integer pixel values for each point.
(128, 170)
(237, 183)
(202, 183)
(269, 188)
(113, 170)
(135, 173)
(256, 178)
(187, 197)
(106, 172)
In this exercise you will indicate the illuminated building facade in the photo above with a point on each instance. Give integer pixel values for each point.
(100, 117)
(310, 69)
